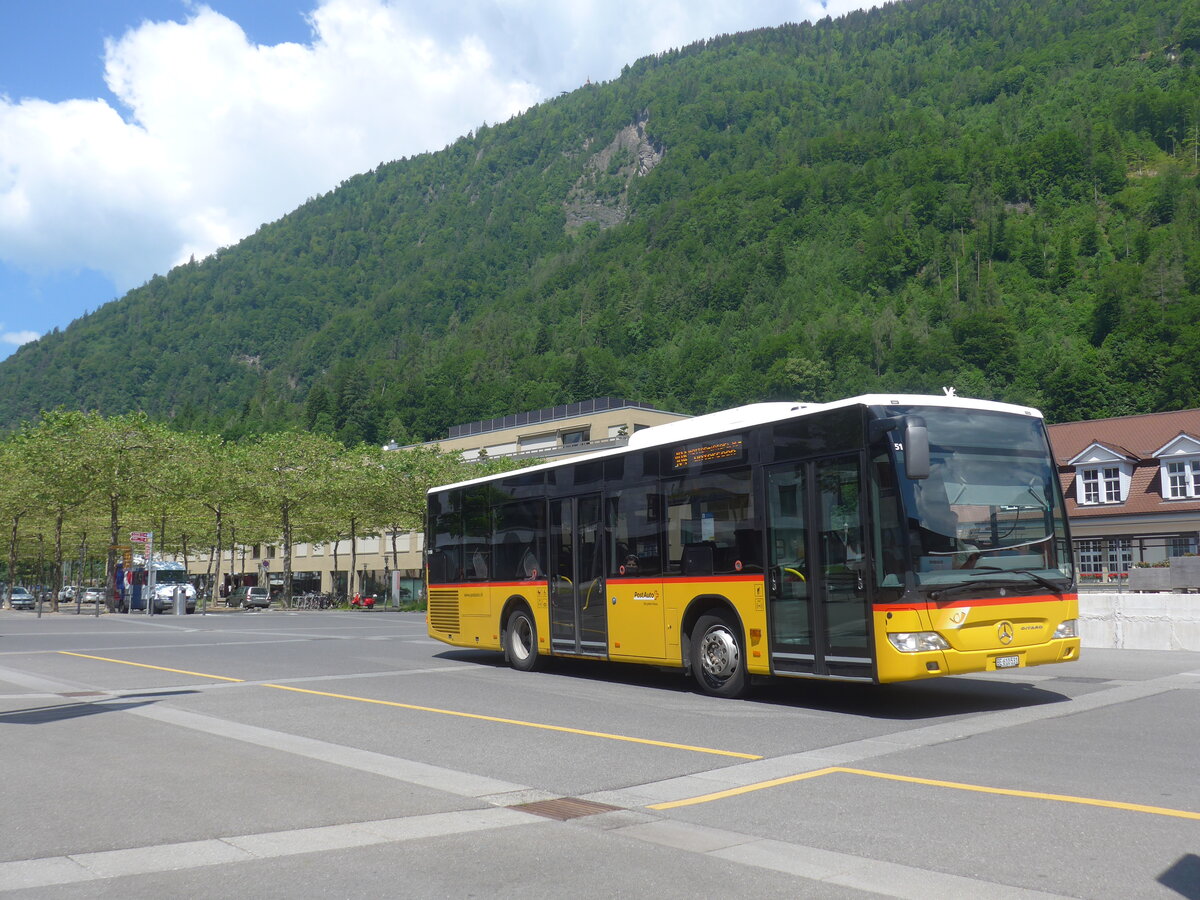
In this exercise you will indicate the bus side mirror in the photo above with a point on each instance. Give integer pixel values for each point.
(916, 448)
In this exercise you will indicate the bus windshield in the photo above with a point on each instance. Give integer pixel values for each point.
(990, 510)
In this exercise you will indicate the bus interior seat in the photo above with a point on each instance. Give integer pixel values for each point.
(479, 565)
(529, 564)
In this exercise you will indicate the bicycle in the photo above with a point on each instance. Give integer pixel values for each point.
(305, 601)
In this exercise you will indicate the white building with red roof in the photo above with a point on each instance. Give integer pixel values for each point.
(1132, 486)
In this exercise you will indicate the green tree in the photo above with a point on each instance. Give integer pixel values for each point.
(288, 477)
(1064, 263)
(123, 449)
(58, 482)
(18, 463)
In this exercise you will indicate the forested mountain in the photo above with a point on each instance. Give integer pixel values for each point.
(999, 195)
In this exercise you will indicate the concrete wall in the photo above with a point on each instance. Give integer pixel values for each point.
(1159, 621)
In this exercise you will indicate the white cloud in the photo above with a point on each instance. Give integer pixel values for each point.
(17, 338)
(220, 135)
(213, 135)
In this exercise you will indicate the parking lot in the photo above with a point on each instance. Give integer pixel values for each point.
(345, 754)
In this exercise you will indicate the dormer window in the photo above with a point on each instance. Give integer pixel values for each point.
(1183, 479)
(1101, 485)
(1102, 476)
(1179, 466)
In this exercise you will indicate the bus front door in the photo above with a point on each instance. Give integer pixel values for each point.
(816, 569)
(578, 615)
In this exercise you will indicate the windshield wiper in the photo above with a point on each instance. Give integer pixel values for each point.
(985, 550)
(999, 582)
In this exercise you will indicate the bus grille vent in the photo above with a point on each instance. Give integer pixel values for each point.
(443, 611)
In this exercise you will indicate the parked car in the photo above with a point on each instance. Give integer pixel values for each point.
(250, 597)
(93, 595)
(66, 594)
(21, 598)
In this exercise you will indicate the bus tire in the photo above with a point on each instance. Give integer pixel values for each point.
(718, 659)
(520, 640)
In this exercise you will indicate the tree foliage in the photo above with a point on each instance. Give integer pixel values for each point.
(88, 481)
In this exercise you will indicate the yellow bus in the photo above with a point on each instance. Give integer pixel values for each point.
(879, 538)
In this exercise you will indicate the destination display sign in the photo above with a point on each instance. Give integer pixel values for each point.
(725, 449)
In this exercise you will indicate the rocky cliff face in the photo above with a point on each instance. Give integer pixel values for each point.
(601, 193)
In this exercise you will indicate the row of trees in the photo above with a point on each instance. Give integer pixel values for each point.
(74, 480)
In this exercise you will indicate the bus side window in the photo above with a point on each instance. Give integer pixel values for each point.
(632, 517)
(518, 541)
(439, 567)
(704, 517)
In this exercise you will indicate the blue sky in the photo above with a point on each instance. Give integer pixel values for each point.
(137, 133)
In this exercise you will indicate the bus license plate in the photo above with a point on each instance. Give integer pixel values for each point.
(1007, 662)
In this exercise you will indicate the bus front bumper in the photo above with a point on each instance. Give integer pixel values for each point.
(897, 666)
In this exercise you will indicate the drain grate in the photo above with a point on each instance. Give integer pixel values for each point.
(565, 808)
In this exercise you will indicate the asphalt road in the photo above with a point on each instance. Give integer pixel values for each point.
(344, 754)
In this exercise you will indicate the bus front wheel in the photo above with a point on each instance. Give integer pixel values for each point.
(718, 663)
(520, 641)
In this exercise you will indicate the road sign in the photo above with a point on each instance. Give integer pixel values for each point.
(139, 537)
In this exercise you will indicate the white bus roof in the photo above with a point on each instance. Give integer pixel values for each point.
(755, 414)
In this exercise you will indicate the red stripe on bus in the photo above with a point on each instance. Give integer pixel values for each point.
(700, 579)
(479, 584)
(667, 579)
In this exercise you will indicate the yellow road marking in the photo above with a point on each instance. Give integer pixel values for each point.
(733, 792)
(1035, 795)
(126, 662)
(544, 727)
(431, 709)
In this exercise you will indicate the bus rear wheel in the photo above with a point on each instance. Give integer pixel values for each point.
(520, 641)
(718, 662)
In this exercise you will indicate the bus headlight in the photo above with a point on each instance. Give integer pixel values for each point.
(916, 641)
(1067, 629)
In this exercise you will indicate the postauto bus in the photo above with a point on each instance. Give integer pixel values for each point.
(879, 538)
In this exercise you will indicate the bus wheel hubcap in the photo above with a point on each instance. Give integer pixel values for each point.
(719, 654)
(521, 639)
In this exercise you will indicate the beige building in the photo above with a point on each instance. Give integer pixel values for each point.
(393, 564)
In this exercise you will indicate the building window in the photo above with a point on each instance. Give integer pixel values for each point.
(1181, 546)
(1120, 557)
(1183, 479)
(1177, 482)
(576, 437)
(1091, 486)
(1091, 564)
(1101, 559)
(1112, 485)
(1101, 485)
